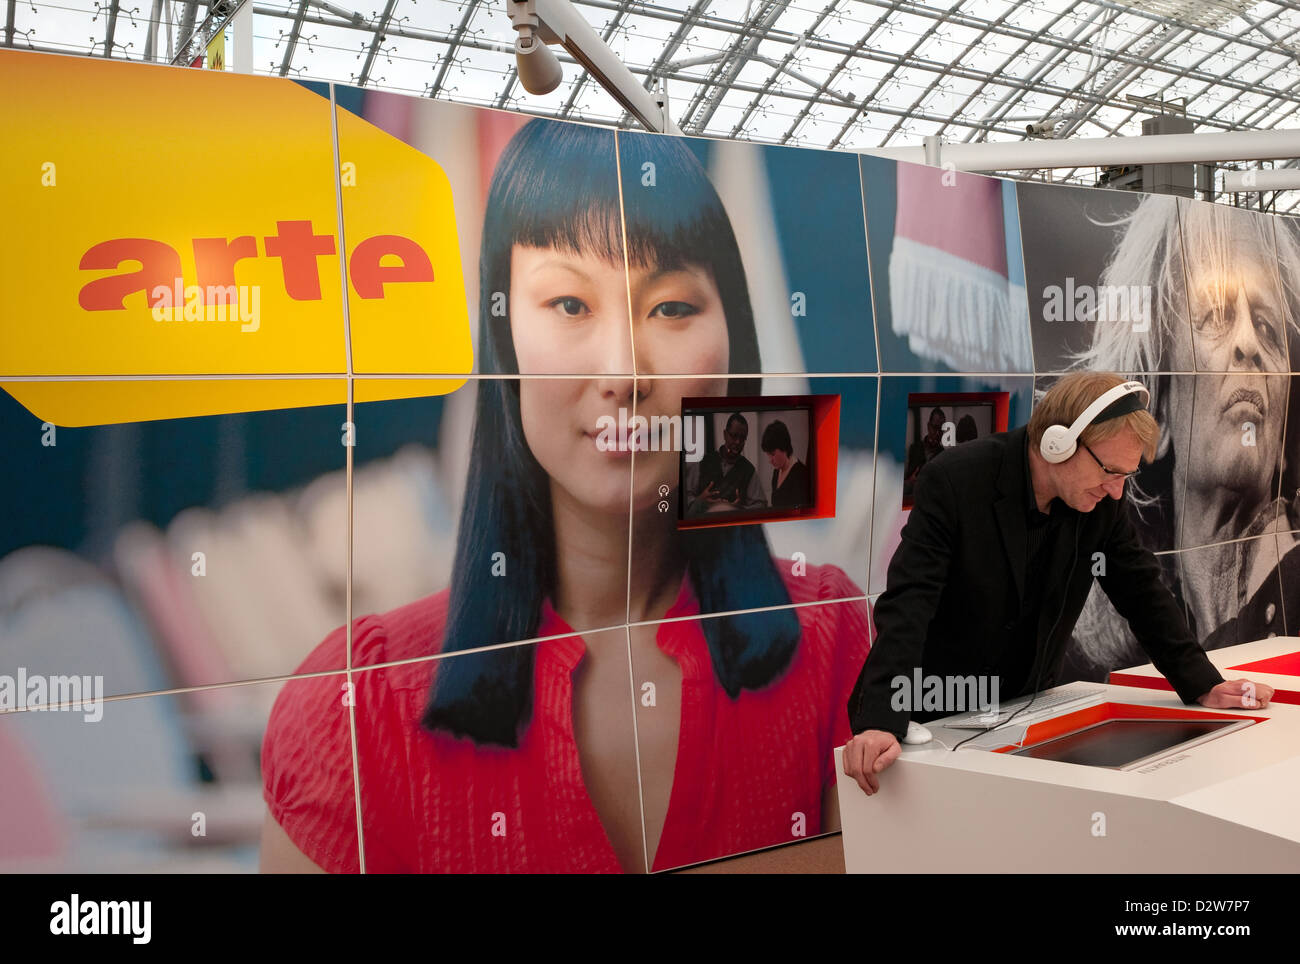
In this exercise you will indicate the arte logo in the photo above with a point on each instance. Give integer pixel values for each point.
(296, 245)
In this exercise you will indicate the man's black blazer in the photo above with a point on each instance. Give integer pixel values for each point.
(956, 581)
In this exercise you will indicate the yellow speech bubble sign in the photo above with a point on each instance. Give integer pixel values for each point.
(167, 221)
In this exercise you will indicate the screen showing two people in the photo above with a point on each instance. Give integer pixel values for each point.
(747, 463)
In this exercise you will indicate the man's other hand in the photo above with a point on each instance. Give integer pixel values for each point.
(1237, 693)
(867, 755)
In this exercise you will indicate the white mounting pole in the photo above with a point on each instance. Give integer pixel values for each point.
(1243, 182)
(241, 24)
(1106, 151)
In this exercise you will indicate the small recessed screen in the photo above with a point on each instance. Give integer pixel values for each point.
(1123, 743)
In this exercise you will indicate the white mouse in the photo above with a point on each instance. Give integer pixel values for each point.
(916, 733)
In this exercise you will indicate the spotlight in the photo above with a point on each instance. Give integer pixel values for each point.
(541, 24)
(539, 69)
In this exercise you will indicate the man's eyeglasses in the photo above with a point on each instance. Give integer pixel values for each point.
(1110, 473)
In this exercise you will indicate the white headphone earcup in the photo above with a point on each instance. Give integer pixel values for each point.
(1056, 445)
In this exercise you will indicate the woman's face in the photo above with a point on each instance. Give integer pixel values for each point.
(934, 427)
(569, 315)
(1238, 331)
(778, 459)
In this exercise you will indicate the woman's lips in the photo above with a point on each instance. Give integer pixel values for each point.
(655, 437)
(611, 445)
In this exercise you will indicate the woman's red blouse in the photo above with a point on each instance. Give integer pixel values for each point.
(746, 768)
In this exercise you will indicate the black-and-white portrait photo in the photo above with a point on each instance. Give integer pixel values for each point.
(1090, 255)
(1189, 300)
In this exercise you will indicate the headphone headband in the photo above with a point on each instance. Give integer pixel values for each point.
(1060, 443)
(1121, 406)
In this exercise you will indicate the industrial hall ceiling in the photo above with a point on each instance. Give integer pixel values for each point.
(843, 74)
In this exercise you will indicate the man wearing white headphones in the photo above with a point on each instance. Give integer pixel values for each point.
(998, 556)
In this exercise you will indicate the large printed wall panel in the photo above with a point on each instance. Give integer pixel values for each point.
(1189, 298)
(529, 484)
(947, 274)
(777, 239)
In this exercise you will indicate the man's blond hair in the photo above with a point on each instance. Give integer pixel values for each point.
(1066, 400)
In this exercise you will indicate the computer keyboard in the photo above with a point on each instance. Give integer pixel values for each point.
(1049, 701)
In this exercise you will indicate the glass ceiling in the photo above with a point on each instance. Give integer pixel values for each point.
(847, 74)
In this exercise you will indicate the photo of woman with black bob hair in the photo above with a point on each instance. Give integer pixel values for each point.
(549, 756)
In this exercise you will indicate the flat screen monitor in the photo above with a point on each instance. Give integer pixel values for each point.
(1127, 744)
(936, 421)
(755, 462)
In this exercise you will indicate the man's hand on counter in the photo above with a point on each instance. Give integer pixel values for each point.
(867, 755)
(1237, 693)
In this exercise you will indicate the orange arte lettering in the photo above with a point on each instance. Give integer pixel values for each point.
(160, 265)
(298, 248)
(215, 258)
(295, 245)
(369, 276)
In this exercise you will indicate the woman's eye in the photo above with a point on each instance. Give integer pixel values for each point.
(570, 307)
(673, 309)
